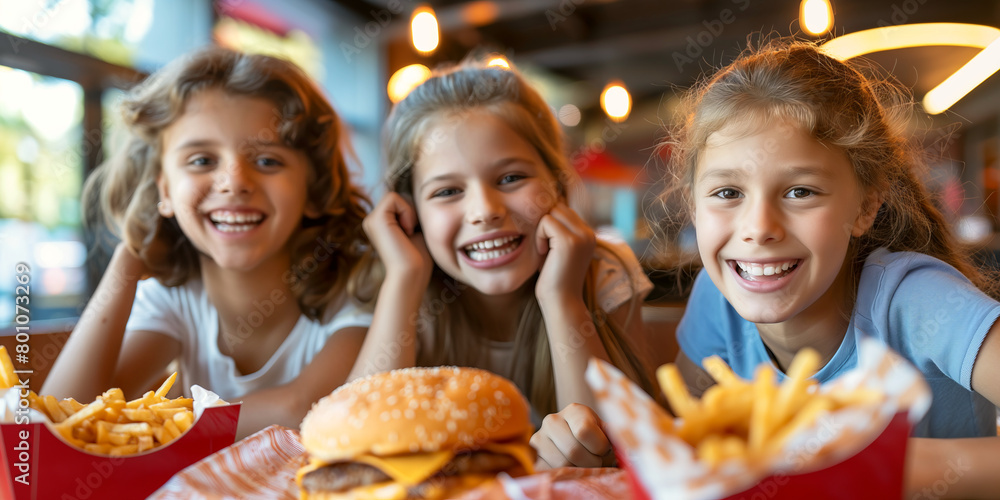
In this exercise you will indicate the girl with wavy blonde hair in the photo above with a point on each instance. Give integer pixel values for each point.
(815, 232)
(233, 192)
(486, 263)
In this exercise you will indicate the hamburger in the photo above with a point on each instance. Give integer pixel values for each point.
(415, 433)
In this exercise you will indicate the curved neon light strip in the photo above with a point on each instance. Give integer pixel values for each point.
(953, 88)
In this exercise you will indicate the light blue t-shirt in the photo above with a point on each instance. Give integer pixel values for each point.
(920, 306)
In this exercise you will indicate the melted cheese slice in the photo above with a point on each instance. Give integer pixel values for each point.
(409, 470)
(520, 451)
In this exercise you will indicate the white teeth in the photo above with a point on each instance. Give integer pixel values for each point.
(230, 218)
(770, 269)
(488, 244)
(482, 251)
(228, 228)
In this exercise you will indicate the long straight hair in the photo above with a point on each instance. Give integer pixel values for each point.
(445, 324)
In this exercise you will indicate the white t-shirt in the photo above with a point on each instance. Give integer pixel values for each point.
(618, 280)
(186, 314)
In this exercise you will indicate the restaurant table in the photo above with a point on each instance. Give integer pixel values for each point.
(263, 466)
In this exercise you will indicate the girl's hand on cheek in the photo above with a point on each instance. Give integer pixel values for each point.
(566, 243)
(129, 266)
(392, 228)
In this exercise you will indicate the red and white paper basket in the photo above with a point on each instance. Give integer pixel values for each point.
(40, 465)
(851, 453)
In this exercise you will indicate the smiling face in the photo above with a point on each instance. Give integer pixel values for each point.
(480, 189)
(774, 213)
(237, 192)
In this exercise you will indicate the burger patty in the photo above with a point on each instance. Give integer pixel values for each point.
(343, 476)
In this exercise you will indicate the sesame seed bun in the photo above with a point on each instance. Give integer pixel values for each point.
(416, 410)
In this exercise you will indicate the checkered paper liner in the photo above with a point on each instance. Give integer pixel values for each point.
(666, 466)
(263, 467)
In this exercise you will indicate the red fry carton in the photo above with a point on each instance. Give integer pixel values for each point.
(39, 464)
(821, 461)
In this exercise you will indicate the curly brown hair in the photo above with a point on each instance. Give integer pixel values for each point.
(842, 103)
(122, 192)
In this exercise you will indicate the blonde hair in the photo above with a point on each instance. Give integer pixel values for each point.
(450, 93)
(122, 192)
(839, 105)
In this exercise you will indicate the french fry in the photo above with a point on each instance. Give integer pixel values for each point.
(183, 420)
(145, 401)
(55, 412)
(167, 384)
(792, 394)
(7, 377)
(738, 419)
(676, 391)
(113, 426)
(37, 402)
(142, 415)
(721, 372)
(125, 449)
(84, 413)
(145, 443)
(761, 417)
(173, 403)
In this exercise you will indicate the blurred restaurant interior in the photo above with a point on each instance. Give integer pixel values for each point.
(64, 64)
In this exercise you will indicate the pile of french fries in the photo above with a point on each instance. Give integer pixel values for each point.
(738, 419)
(111, 425)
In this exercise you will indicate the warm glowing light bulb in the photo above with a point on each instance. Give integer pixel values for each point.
(616, 102)
(424, 30)
(404, 80)
(816, 16)
(500, 62)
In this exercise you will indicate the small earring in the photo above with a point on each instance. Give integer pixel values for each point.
(164, 209)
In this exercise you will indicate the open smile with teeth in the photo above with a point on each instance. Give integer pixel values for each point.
(228, 221)
(772, 270)
(491, 249)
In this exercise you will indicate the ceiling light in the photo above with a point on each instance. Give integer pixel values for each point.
(816, 16)
(424, 30)
(404, 80)
(953, 88)
(499, 61)
(616, 102)
(968, 77)
(910, 35)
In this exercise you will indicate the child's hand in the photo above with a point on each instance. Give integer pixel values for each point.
(572, 438)
(567, 243)
(127, 265)
(391, 227)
